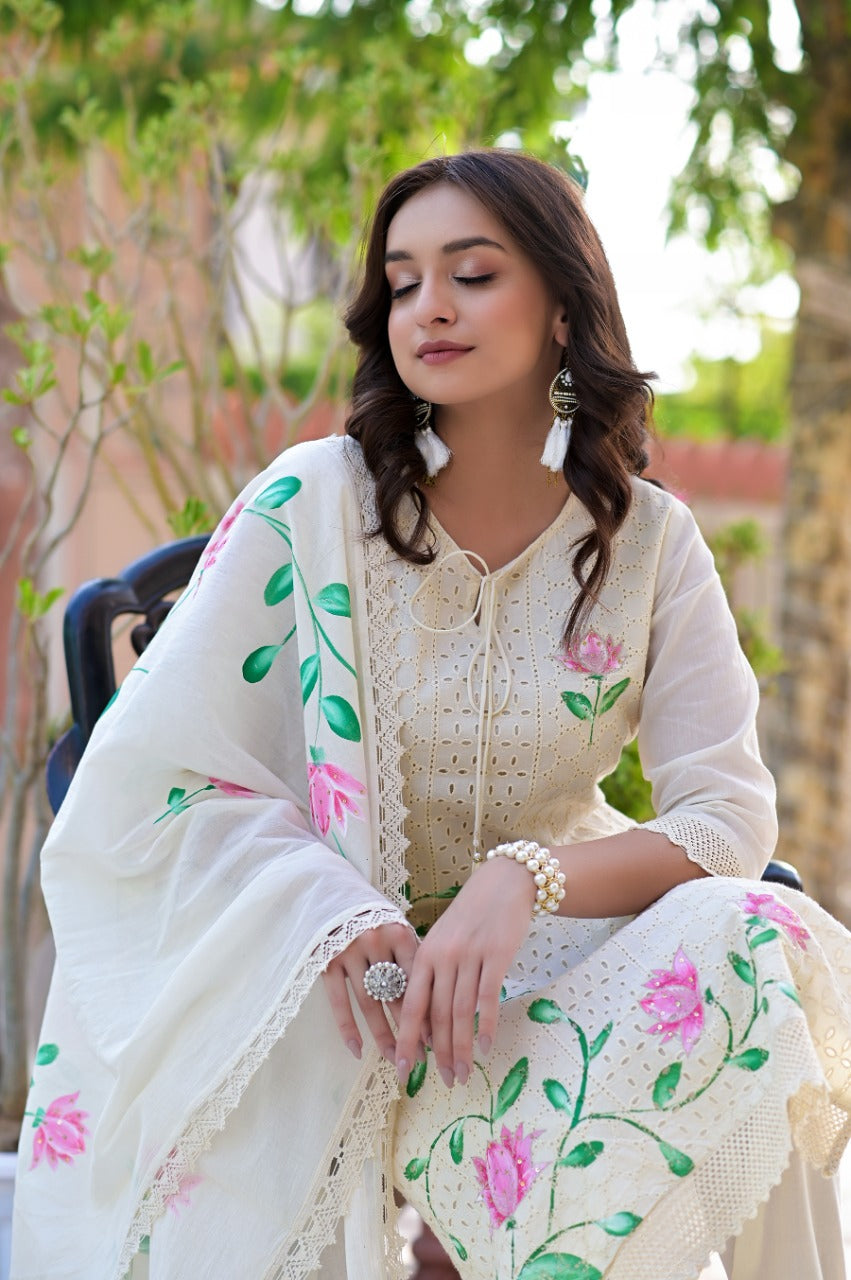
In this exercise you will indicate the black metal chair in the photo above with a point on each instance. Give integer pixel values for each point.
(142, 589)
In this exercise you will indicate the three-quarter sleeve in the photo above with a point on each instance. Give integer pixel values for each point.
(697, 736)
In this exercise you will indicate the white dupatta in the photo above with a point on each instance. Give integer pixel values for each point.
(223, 839)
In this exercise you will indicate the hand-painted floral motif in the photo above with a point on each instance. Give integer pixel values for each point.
(232, 789)
(181, 1197)
(219, 539)
(331, 790)
(676, 1002)
(769, 908)
(506, 1173)
(60, 1132)
(595, 658)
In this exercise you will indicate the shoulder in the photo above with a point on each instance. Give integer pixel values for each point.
(329, 460)
(667, 516)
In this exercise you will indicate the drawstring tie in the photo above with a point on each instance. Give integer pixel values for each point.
(482, 699)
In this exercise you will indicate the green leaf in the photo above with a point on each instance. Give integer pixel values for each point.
(175, 796)
(459, 1248)
(38, 1117)
(277, 493)
(546, 1011)
(46, 1053)
(415, 1168)
(743, 968)
(21, 437)
(511, 1087)
(582, 1155)
(611, 696)
(259, 663)
(559, 1266)
(280, 585)
(341, 717)
(578, 704)
(145, 361)
(788, 989)
(334, 599)
(619, 1224)
(750, 1060)
(456, 1143)
(767, 935)
(677, 1161)
(309, 671)
(416, 1079)
(557, 1095)
(666, 1085)
(600, 1041)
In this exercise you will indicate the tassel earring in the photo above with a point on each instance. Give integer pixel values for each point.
(565, 402)
(435, 454)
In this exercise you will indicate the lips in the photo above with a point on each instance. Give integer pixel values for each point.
(438, 348)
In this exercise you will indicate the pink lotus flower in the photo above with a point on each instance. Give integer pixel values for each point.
(180, 1197)
(767, 907)
(331, 789)
(592, 655)
(232, 788)
(506, 1173)
(220, 537)
(676, 1003)
(59, 1132)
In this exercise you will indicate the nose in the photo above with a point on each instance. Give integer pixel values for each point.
(434, 304)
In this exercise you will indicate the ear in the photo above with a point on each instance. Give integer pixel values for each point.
(561, 328)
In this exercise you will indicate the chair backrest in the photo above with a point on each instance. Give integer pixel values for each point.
(142, 589)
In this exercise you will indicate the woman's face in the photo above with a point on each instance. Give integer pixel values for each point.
(470, 316)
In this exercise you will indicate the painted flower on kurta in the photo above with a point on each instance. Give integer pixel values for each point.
(767, 907)
(60, 1132)
(331, 790)
(506, 1173)
(232, 788)
(675, 1003)
(180, 1198)
(220, 537)
(592, 655)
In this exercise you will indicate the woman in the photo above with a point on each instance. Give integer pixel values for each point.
(470, 604)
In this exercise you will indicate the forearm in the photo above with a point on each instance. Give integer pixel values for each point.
(622, 874)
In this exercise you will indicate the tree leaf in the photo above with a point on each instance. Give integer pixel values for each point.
(582, 1155)
(341, 717)
(559, 1266)
(459, 1248)
(743, 968)
(600, 1041)
(666, 1085)
(415, 1168)
(280, 585)
(557, 1095)
(750, 1060)
(767, 935)
(46, 1053)
(277, 493)
(611, 696)
(578, 704)
(416, 1079)
(259, 663)
(334, 599)
(546, 1011)
(511, 1087)
(456, 1143)
(619, 1224)
(677, 1161)
(309, 672)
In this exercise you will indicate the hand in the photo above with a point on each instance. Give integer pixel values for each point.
(460, 968)
(394, 942)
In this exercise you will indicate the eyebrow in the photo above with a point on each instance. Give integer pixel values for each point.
(454, 246)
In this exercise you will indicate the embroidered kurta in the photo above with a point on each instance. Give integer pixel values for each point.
(318, 721)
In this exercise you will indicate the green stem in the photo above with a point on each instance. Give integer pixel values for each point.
(551, 1239)
(599, 680)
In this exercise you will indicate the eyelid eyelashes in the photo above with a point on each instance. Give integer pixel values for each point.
(465, 280)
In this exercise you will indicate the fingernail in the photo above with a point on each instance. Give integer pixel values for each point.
(403, 1070)
(447, 1076)
(484, 1045)
(353, 1048)
(389, 1053)
(462, 1072)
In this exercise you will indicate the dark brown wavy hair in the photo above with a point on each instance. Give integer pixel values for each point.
(542, 210)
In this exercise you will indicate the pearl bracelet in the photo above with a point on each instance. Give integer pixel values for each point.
(548, 878)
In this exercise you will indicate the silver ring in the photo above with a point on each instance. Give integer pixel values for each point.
(385, 980)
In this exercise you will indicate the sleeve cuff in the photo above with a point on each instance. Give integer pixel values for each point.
(701, 842)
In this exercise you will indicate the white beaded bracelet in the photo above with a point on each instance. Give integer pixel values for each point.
(548, 878)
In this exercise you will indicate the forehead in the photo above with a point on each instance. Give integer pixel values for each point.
(440, 214)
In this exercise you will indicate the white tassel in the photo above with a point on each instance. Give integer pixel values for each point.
(434, 452)
(557, 443)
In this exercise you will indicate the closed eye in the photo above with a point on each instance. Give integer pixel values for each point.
(402, 290)
(475, 279)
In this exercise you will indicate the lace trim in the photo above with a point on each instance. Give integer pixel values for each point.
(702, 843)
(211, 1116)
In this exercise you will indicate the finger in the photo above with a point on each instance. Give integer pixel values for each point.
(490, 985)
(413, 1011)
(464, 1004)
(374, 1013)
(442, 998)
(341, 1007)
